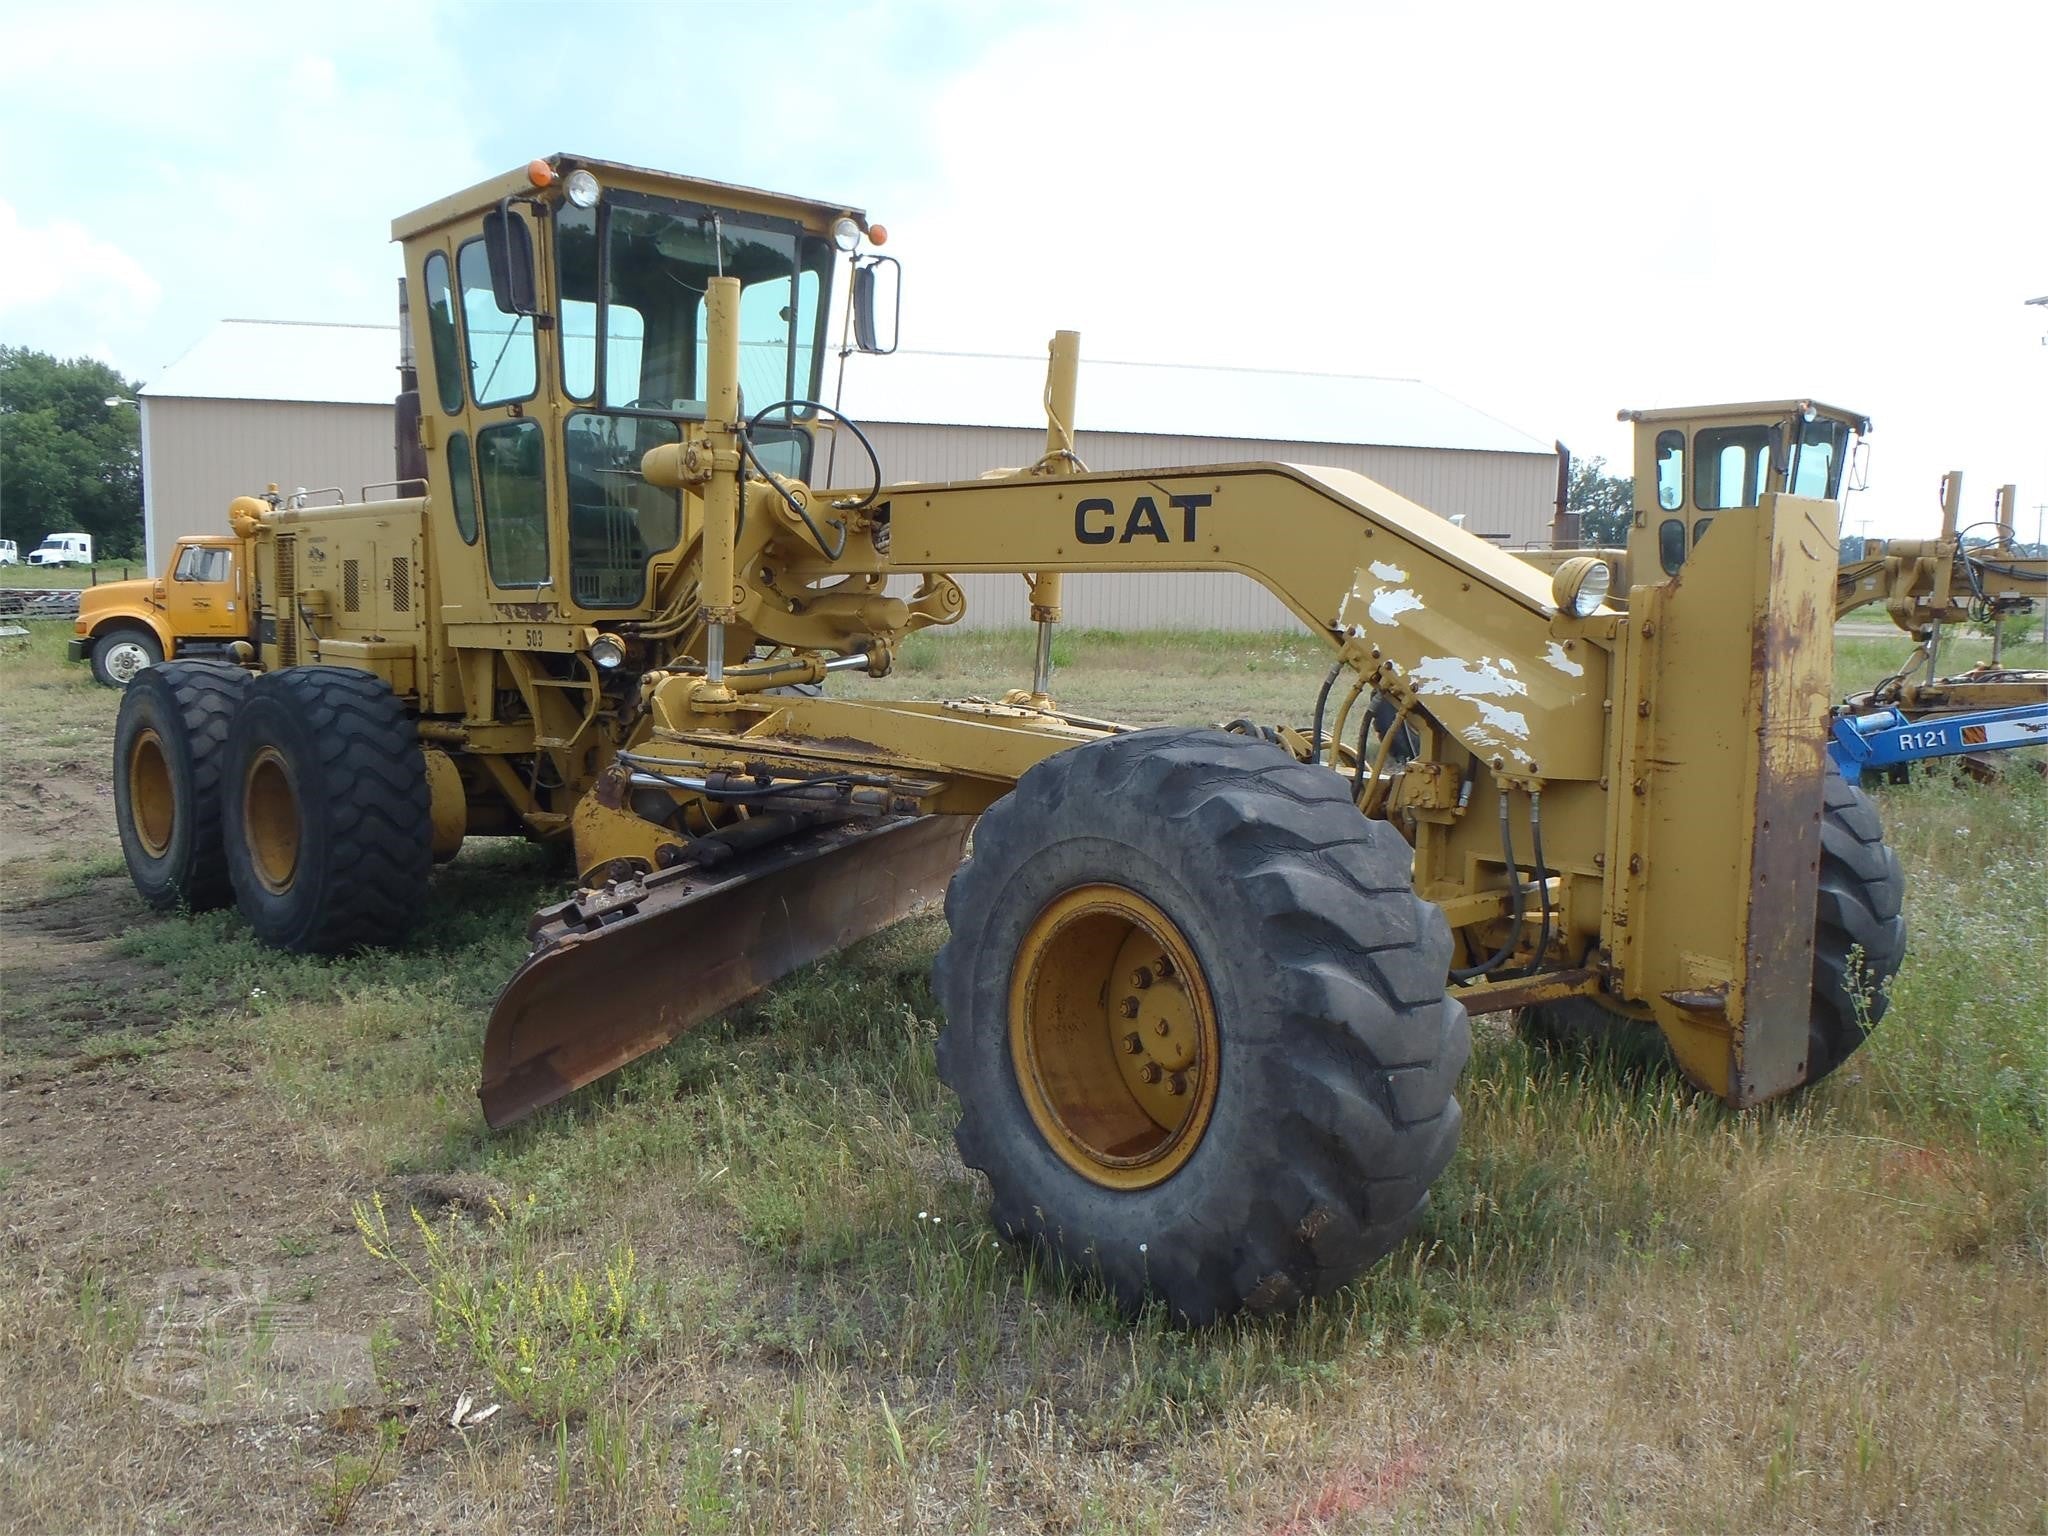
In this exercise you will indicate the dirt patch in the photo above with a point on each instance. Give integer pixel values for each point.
(66, 982)
(60, 813)
(191, 1316)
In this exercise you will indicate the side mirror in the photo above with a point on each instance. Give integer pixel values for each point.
(876, 292)
(508, 247)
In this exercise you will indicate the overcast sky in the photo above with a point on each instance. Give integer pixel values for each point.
(1548, 211)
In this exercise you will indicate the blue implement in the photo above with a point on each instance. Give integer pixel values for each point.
(1885, 738)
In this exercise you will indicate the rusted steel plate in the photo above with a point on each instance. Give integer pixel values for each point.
(624, 972)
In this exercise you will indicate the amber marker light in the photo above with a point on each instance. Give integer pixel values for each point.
(540, 173)
(878, 234)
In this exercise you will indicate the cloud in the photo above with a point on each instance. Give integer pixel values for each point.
(60, 282)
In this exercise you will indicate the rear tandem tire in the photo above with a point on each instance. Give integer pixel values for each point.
(1315, 1049)
(170, 745)
(328, 832)
(1859, 941)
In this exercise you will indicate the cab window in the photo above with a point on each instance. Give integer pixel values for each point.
(198, 563)
(1670, 470)
(502, 363)
(441, 334)
(462, 486)
(577, 264)
(511, 476)
(617, 521)
(1730, 465)
(1817, 469)
(1671, 545)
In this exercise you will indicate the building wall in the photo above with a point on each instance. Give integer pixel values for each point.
(199, 455)
(1508, 496)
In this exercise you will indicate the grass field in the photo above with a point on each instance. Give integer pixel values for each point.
(259, 1244)
(100, 572)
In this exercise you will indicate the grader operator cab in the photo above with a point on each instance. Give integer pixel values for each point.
(1703, 463)
(1205, 992)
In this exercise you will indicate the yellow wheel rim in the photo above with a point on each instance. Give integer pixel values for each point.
(1113, 1037)
(270, 820)
(152, 802)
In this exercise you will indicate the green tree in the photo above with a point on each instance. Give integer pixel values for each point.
(1605, 503)
(68, 460)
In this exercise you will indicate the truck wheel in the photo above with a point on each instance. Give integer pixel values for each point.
(170, 745)
(1859, 941)
(1196, 1022)
(122, 652)
(329, 839)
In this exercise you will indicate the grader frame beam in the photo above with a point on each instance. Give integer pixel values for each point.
(1517, 696)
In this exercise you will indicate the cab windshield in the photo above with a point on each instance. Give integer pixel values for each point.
(1820, 449)
(633, 278)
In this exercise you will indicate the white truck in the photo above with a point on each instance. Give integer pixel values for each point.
(63, 549)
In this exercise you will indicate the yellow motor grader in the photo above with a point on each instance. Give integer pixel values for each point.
(1206, 992)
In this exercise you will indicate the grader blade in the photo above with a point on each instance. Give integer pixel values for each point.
(620, 972)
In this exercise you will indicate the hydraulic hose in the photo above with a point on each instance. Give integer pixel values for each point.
(1542, 882)
(1315, 738)
(1498, 958)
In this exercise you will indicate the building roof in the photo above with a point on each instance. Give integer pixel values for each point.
(1176, 400)
(358, 365)
(285, 360)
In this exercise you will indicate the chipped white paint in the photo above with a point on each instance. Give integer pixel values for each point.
(1388, 572)
(1509, 720)
(1389, 603)
(1448, 676)
(1557, 658)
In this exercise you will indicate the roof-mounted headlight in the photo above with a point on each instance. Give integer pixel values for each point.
(1581, 585)
(845, 233)
(581, 188)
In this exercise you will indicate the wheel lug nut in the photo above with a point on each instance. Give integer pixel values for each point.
(1178, 1083)
(1164, 965)
(1132, 1044)
(1161, 1027)
(1151, 1072)
(1141, 978)
(1128, 1007)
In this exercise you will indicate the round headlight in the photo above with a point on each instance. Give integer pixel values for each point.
(845, 234)
(1581, 585)
(607, 652)
(581, 188)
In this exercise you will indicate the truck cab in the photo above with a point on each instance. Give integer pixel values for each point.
(63, 549)
(199, 607)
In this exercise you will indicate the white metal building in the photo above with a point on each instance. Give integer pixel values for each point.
(309, 405)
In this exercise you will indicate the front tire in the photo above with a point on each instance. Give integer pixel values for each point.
(1290, 991)
(170, 745)
(329, 836)
(121, 653)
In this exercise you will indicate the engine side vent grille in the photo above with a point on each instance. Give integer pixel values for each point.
(401, 584)
(288, 599)
(351, 586)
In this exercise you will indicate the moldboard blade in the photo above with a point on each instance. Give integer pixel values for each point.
(609, 982)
